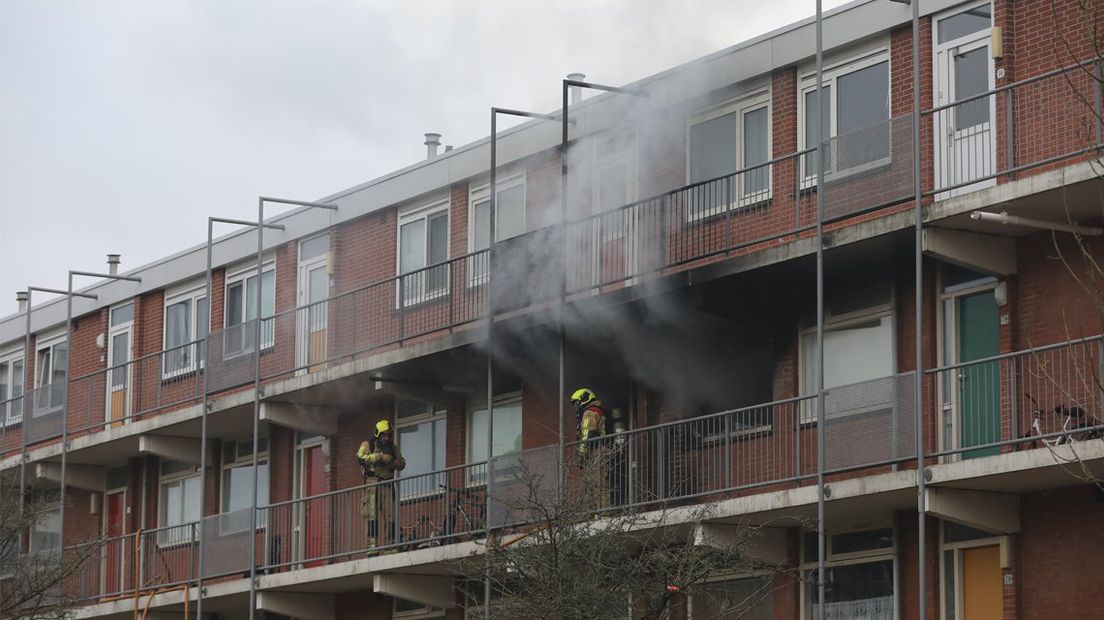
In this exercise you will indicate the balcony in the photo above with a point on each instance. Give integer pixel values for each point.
(988, 424)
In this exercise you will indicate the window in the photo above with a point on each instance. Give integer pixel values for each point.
(46, 531)
(614, 181)
(859, 579)
(181, 498)
(412, 610)
(11, 387)
(421, 440)
(237, 484)
(747, 598)
(729, 139)
(509, 218)
(507, 431)
(241, 310)
(856, 112)
(186, 322)
(51, 368)
(858, 341)
(423, 242)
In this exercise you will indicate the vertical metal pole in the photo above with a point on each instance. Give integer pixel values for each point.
(821, 138)
(490, 361)
(256, 409)
(203, 418)
(561, 388)
(918, 402)
(65, 404)
(27, 411)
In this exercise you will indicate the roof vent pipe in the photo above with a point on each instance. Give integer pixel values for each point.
(576, 91)
(432, 141)
(448, 147)
(113, 264)
(22, 297)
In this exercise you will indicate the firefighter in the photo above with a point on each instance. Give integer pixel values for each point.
(590, 418)
(379, 460)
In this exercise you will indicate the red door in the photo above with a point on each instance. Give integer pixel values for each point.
(314, 510)
(115, 555)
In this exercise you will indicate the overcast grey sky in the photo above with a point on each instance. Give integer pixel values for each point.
(124, 124)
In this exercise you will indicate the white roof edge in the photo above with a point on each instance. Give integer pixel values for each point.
(305, 221)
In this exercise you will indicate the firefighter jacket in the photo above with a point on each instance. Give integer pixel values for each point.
(379, 459)
(592, 424)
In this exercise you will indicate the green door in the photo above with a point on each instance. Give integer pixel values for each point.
(978, 384)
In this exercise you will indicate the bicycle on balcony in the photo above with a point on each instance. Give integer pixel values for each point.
(1077, 425)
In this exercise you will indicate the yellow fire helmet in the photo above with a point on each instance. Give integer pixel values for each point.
(583, 397)
(383, 426)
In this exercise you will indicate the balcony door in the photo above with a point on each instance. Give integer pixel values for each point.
(119, 346)
(312, 513)
(965, 132)
(115, 554)
(314, 288)
(971, 391)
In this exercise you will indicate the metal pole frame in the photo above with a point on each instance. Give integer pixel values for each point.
(491, 198)
(68, 360)
(918, 413)
(29, 411)
(211, 221)
(820, 151)
(565, 122)
(261, 201)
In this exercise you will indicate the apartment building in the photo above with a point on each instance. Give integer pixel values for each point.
(669, 259)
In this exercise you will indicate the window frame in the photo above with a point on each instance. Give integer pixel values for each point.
(806, 83)
(240, 277)
(51, 505)
(432, 415)
(507, 398)
(871, 556)
(837, 323)
(730, 576)
(49, 341)
(424, 212)
(742, 105)
(955, 549)
(164, 538)
(191, 293)
(240, 461)
(479, 193)
(8, 361)
(625, 152)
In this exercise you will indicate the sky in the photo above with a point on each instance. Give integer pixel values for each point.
(124, 124)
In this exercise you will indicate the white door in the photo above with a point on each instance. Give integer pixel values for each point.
(314, 289)
(119, 367)
(615, 234)
(965, 134)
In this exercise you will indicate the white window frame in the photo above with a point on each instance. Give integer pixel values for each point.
(51, 504)
(509, 398)
(170, 534)
(8, 360)
(628, 156)
(408, 216)
(192, 293)
(840, 322)
(832, 560)
(480, 193)
(743, 105)
(43, 342)
(831, 73)
(431, 416)
(263, 458)
(239, 277)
